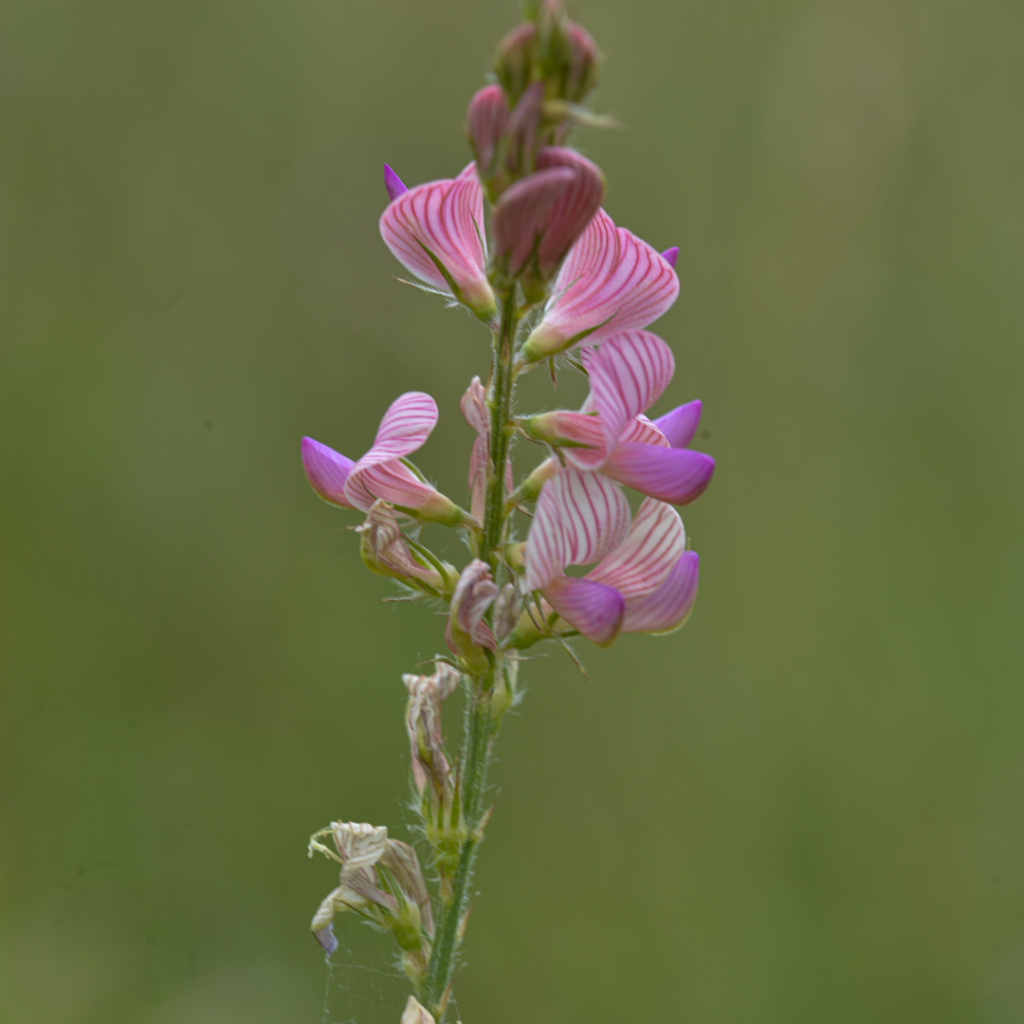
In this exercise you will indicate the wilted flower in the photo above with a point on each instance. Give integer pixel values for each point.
(381, 880)
(467, 633)
(415, 1014)
(386, 553)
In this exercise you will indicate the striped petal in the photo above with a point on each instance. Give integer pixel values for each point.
(680, 424)
(642, 431)
(595, 610)
(396, 483)
(611, 281)
(668, 607)
(639, 565)
(628, 374)
(677, 475)
(579, 518)
(436, 231)
(405, 427)
(327, 471)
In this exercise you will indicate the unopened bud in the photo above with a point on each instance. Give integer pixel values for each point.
(514, 556)
(468, 635)
(523, 131)
(583, 63)
(485, 125)
(386, 553)
(530, 488)
(538, 219)
(513, 63)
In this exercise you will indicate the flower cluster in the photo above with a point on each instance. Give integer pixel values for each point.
(557, 282)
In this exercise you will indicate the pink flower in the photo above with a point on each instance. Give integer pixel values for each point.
(611, 281)
(436, 231)
(647, 583)
(382, 472)
(628, 373)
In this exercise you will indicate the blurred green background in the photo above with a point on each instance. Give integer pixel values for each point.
(808, 806)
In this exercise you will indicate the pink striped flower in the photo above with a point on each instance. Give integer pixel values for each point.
(628, 373)
(611, 281)
(383, 472)
(646, 584)
(436, 231)
(538, 219)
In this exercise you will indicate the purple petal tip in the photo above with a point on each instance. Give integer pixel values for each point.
(393, 183)
(326, 939)
(671, 255)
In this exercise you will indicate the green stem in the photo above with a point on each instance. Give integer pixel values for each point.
(475, 756)
(480, 721)
(499, 403)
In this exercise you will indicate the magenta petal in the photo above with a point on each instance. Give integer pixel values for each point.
(393, 183)
(670, 605)
(671, 255)
(578, 519)
(680, 424)
(676, 475)
(594, 609)
(639, 565)
(327, 471)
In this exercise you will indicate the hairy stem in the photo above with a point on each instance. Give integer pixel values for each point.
(481, 724)
(499, 403)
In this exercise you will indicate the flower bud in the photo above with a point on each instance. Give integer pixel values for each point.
(584, 59)
(485, 125)
(523, 131)
(467, 634)
(513, 63)
(386, 553)
(537, 220)
(530, 488)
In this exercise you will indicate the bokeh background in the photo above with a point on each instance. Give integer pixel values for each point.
(808, 806)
